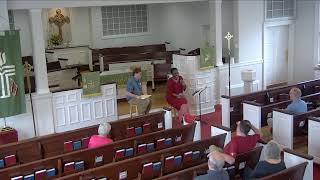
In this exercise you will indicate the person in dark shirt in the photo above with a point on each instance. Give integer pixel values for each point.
(272, 164)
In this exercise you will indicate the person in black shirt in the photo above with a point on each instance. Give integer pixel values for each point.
(272, 164)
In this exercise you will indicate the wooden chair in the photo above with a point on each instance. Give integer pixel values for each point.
(133, 107)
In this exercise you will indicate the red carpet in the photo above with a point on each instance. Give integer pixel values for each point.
(216, 117)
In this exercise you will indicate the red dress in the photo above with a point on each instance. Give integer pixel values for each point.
(174, 87)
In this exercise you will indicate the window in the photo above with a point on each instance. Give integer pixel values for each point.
(11, 19)
(121, 20)
(280, 9)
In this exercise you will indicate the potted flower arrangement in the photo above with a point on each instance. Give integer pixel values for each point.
(56, 39)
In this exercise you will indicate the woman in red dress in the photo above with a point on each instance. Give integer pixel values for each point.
(174, 96)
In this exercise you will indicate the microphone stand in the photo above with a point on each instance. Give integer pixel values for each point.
(199, 97)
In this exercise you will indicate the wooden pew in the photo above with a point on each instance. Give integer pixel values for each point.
(53, 145)
(257, 113)
(313, 138)
(219, 129)
(299, 167)
(232, 105)
(249, 159)
(178, 136)
(294, 173)
(132, 168)
(286, 125)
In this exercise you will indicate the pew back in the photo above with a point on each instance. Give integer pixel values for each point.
(107, 152)
(292, 173)
(53, 145)
(132, 167)
(232, 105)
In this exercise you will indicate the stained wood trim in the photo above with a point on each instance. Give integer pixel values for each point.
(252, 103)
(305, 156)
(316, 119)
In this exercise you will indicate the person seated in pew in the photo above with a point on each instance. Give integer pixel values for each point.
(296, 106)
(216, 171)
(174, 94)
(272, 164)
(242, 142)
(134, 92)
(102, 137)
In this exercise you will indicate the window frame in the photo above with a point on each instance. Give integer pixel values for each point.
(279, 18)
(148, 32)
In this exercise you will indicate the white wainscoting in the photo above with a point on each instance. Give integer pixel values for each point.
(236, 82)
(284, 136)
(72, 110)
(313, 140)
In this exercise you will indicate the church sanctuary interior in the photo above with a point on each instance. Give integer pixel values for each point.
(159, 89)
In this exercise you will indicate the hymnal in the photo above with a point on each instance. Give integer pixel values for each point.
(187, 156)
(156, 166)
(79, 166)
(129, 152)
(10, 160)
(85, 142)
(67, 146)
(168, 142)
(138, 130)
(41, 174)
(160, 143)
(146, 127)
(76, 145)
(142, 148)
(150, 147)
(68, 167)
(119, 153)
(51, 172)
(130, 131)
(169, 161)
(147, 168)
(177, 160)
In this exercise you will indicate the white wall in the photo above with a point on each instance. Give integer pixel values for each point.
(250, 27)
(4, 19)
(22, 22)
(304, 40)
(181, 23)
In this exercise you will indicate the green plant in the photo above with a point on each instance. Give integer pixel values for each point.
(56, 39)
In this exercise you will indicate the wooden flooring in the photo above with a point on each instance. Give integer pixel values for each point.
(158, 99)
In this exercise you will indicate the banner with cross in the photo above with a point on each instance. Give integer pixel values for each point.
(12, 93)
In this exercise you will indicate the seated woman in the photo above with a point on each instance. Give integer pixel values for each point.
(272, 164)
(134, 91)
(174, 96)
(101, 138)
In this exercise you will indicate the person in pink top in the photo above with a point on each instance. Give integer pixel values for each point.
(102, 137)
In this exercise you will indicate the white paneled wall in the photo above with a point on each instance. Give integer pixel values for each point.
(72, 110)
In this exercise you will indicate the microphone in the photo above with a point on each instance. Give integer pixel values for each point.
(199, 91)
(194, 93)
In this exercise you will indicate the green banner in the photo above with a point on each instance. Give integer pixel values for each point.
(121, 79)
(12, 97)
(91, 84)
(207, 57)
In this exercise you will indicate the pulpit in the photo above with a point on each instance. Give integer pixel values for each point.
(196, 79)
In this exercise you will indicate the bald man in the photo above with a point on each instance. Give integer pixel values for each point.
(215, 165)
